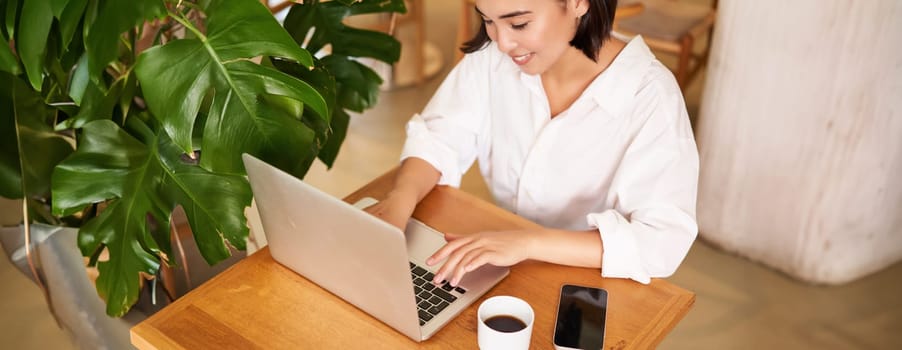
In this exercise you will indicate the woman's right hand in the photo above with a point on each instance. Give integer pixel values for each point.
(395, 209)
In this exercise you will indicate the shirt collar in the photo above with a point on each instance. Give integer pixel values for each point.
(615, 89)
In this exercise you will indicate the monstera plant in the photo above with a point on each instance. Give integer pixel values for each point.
(114, 112)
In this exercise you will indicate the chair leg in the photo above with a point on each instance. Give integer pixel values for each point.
(419, 41)
(464, 28)
(682, 75)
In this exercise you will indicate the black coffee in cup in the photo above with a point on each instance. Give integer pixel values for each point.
(505, 323)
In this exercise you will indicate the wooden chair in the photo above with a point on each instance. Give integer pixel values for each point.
(673, 26)
(466, 26)
(416, 18)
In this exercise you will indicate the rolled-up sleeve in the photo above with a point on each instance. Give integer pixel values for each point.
(447, 132)
(652, 224)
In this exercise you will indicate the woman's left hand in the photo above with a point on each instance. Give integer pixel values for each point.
(466, 253)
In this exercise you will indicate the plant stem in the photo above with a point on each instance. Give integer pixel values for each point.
(179, 17)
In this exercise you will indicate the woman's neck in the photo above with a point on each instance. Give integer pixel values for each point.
(574, 66)
(573, 73)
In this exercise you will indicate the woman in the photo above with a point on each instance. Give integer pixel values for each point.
(579, 131)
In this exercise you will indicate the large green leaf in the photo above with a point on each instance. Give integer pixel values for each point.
(8, 61)
(141, 178)
(34, 26)
(214, 203)
(108, 160)
(34, 37)
(114, 18)
(95, 101)
(356, 85)
(57, 7)
(9, 8)
(79, 80)
(339, 126)
(118, 229)
(177, 77)
(30, 147)
(324, 82)
(327, 20)
(240, 122)
(70, 18)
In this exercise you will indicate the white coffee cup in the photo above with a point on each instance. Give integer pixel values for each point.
(493, 309)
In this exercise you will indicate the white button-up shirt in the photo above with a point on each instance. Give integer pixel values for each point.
(621, 159)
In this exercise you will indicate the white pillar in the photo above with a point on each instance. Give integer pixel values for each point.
(800, 136)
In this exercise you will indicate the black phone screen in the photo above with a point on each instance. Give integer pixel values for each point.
(580, 317)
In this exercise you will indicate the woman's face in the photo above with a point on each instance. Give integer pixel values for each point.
(534, 33)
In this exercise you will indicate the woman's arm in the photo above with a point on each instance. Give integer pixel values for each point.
(466, 253)
(414, 180)
(651, 225)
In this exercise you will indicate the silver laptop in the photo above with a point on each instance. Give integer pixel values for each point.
(360, 258)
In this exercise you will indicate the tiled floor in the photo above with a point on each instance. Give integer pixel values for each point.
(740, 304)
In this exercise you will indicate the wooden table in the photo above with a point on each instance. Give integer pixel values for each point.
(258, 303)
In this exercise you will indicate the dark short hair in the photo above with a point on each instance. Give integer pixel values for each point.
(593, 30)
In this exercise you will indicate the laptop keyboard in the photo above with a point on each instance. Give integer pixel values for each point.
(431, 299)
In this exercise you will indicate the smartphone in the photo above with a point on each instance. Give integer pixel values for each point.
(579, 323)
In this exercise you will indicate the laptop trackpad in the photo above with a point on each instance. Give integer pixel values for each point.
(422, 240)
